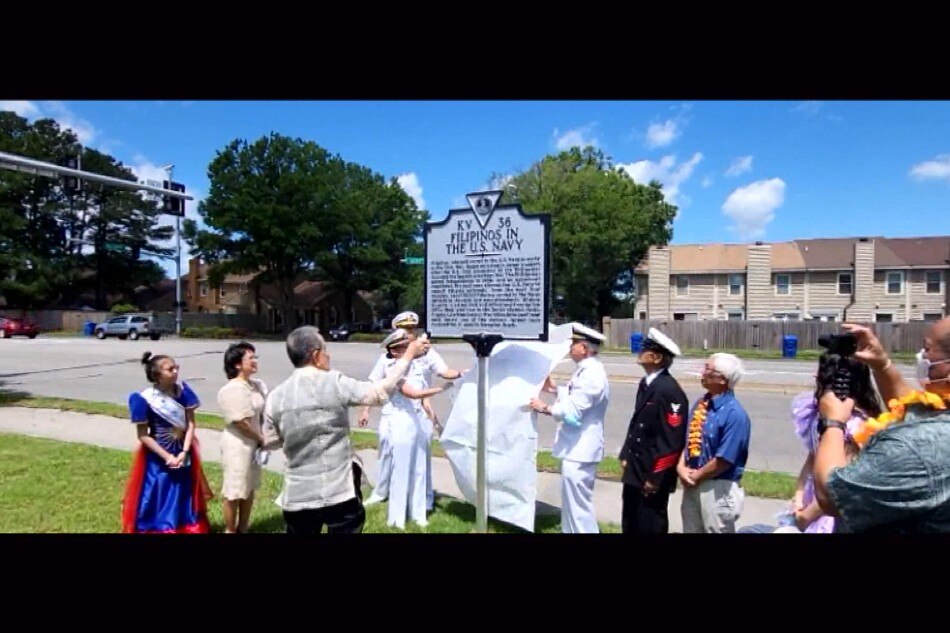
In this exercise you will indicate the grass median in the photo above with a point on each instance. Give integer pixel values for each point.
(771, 485)
(59, 487)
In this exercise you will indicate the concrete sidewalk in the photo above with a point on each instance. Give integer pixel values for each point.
(100, 430)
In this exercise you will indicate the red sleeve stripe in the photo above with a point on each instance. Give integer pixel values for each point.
(666, 461)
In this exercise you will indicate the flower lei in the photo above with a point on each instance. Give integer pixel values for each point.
(897, 409)
(695, 434)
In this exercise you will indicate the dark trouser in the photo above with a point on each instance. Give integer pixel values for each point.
(644, 515)
(343, 518)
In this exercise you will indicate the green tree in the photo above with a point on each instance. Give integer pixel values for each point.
(603, 223)
(40, 221)
(286, 209)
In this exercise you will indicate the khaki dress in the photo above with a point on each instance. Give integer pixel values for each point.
(240, 399)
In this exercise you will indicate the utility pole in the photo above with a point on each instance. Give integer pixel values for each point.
(168, 169)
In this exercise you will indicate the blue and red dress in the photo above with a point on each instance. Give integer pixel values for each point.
(158, 498)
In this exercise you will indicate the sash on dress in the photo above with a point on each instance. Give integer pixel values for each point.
(165, 406)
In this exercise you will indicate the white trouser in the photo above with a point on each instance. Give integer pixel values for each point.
(713, 506)
(427, 434)
(577, 497)
(384, 467)
(407, 485)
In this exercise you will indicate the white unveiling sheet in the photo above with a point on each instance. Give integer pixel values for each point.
(516, 371)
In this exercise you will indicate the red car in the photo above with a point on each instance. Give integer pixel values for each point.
(18, 327)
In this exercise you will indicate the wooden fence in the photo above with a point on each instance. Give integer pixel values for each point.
(896, 337)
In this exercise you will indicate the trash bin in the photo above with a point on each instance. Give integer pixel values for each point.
(90, 328)
(636, 342)
(789, 346)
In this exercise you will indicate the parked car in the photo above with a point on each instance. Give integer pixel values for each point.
(18, 327)
(132, 326)
(343, 332)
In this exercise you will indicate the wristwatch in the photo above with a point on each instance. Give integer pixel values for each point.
(824, 424)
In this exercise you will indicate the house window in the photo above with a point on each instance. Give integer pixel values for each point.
(643, 316)
(782, 284)
(221, 292)
(685, 316)
(845, 284)
(734, 315)
(203, 289)
(735, 284)
(242, 289)
(682, 285)
(895, 283)
(786, 316)
(932, 316)
(933, 282)
(883, 317)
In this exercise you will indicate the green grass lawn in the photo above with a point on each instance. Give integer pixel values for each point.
(51, 486)
(772, 485)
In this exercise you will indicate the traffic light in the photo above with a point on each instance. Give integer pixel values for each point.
(173, 206)
(72, 184)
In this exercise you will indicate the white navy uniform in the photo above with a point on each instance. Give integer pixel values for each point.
(580, 408)
(430, 366)
(384, 464)
(405, 421)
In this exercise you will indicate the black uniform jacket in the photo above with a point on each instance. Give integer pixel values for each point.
(657, 434)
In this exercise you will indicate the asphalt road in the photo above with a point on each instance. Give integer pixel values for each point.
(109, 370)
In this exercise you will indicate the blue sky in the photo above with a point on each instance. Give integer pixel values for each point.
(738, 171)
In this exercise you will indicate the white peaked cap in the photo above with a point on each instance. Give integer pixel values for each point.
(588, 334)
(664, 341)
(396, 337)
(406, 319)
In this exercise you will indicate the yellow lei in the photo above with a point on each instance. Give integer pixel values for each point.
(695, 434)
(897, 408)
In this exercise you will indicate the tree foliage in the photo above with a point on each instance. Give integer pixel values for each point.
(286, 209)
(40, 261)
(603, 223)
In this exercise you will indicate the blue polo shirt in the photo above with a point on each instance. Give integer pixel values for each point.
(726, 433)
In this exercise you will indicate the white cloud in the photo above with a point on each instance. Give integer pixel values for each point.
(499, 182)
(936, 169)
(707, 182)
(811, 108)
(740, 166)
(410, 184)
(662, 134)
(84, 130)
(753, 206)
(57, 110)
(578, 137)
(667, 172)
(25, 109)
(817, 110)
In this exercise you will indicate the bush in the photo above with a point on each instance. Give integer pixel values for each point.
(213, 332)
(367, 337)
(124, 308)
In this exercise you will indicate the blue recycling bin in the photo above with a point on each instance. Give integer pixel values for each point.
(636, 342)
(789, 346)
(89, 329)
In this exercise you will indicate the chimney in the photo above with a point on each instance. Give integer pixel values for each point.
(863, 308)
(658, 283)
(758, 281)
